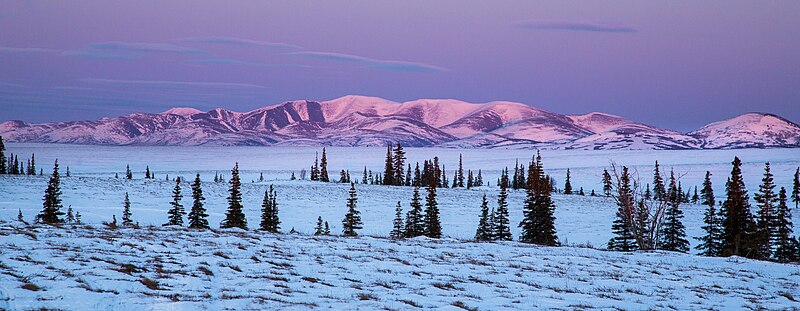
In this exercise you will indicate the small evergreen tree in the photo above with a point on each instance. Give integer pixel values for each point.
(315, 168)
(707, 192)
(128, 172)
(126, 212)
(624, 239)
(502, 229)
(433, 227)
(146, 173)
(567, 184)
(176, 212)
(397, 224)
(388, 169)
(234, 217)
(364, 178)
(767, 226)
(51, 207)
(415, 224)
(269, 212)
(785, 245)
(33, 165)
(710, 243)
(21, 218)
(398, 165)
(538, 222)
(460, 175)
(71, 215)
(319, 229)
(327, 229)
(3, 166)
(796, 188)
(197, 215)
(352, 220)
(484, 232)
(738, 226)
(607, 186)
(659, 189)
(323, 167)
(673, 233)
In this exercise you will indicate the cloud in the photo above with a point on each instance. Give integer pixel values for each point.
(388, 65)
(130, 50)
(14, 50)
(229, 61)
(575, 26)
(170, 84)
(240, 42)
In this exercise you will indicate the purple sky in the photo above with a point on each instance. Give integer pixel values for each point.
(674, 64)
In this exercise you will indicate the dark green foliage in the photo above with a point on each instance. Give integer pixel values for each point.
(659, 189)
(269, 212)
(3, 166)
(711, 243)
(197, 215)
(176, 212)
(352, 220)
(502, 227)
(460, 172)
(234, 217)
(315, 168)
(673, 233)
(485, 230)
(796, 188)
(538, 221)
(624, 239)
(397, 224)
(415, 224)
(568, 184)
(785, 245)
(319, 229)
(433, 226)
(51, 207)
(128, 172)
(707, 192)
(388, 169)
(327, 230)
(398, 164)
(126, 212)
(766, 225)
(738, 226)
(323, 167)
(147, 172)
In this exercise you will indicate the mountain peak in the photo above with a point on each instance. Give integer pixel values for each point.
(754, 129)
(182, 111)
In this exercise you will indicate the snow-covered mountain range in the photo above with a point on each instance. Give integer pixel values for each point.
(371, 121)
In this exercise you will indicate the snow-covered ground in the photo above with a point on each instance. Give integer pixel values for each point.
(162, 269)
(685, 282)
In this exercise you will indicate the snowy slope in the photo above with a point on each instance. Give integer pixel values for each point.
(751, 130)
(424, 122)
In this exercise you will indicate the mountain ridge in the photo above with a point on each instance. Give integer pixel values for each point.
(372, 121)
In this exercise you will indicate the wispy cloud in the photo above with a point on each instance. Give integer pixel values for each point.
(574, 26)
(130, 50)
(16, 50)
(240, 42)
(170, 84)
(229, 61)
(388, 65)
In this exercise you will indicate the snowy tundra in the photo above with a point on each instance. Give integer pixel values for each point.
(153, 268)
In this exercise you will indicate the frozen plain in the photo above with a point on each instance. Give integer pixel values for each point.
(581, 220)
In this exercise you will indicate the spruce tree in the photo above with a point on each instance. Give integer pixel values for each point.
(364, 178)
(460, 175)
(607, 187)
(710, 243)
(51, 207)
(269, 212)
(738, 226)
(176, 212)
(327, 229)
(673, 233)
(33, 165)
(796, 188)
(567, 184)
(659, 189)
(3, 166)
(315, 168)
(68, 173)
(70, 215)
(479, 179)
(323, 167)
(502, 224)
(470, 179)
(147, 172)
(624, 239)
(388, 169)
(417, 181)
(707, 192)
(767, 227)
(398, 165)
(538, 221)
(128, 172)
(126, 212)
(695, 197)
(21, 218)
(415, 224)
(197, 215)
(433, 226)
(319, 230)
(234, 217)
(352, 220)
(785, 245)
(397, 224)
(484, 232)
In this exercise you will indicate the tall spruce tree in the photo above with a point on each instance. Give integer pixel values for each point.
(607, 186)
(323, 167)
(710, 243)
(624, 239)
(32, 170)
(415, 223)
(502, 224)
(460, 175)
(484, 231)
(315, 168)
(270, 221)
(3, 166)
(538, 222)
(398, 164)
(234, 217)
(785, 244)
(738, 226)
(767, 226)
(673, 233)
(176, 212)
(197, 215)
(796, 188)
(352, 220)
(388, 169)
(568, 184)
(659, 189)
(433, 226)
(397, 223)
(51, 207)
(126, 212)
